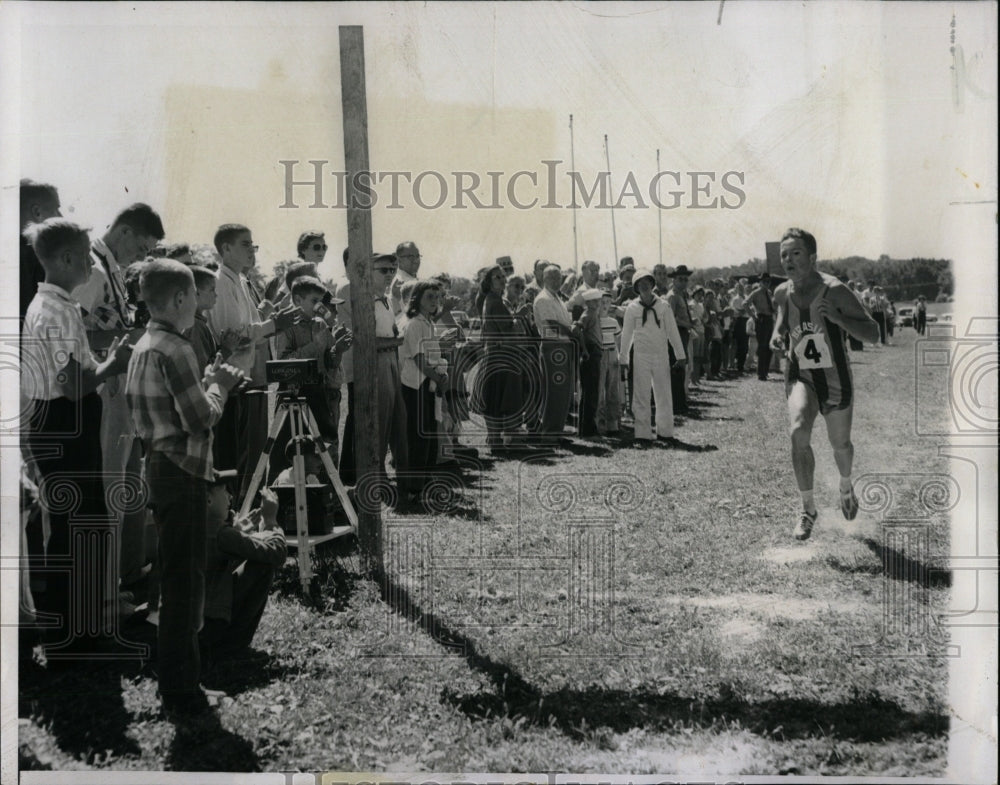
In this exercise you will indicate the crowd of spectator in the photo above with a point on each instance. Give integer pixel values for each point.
(149, 363)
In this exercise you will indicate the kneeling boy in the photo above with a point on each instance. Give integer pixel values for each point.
(243, 554)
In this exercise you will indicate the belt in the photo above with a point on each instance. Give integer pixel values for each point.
(387, 348)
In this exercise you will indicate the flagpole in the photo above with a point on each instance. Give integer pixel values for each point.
(614, 233)
(659, 212)
(572, 164)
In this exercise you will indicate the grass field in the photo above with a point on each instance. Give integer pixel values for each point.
(599, 608)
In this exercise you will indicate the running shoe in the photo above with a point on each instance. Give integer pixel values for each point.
(805, 525)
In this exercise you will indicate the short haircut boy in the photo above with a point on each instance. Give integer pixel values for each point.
(32, 193)
(53, 236)
(142, 219)
(202, 276)
(161, 280)
(227, 234)
(297, 269)
(306, 284)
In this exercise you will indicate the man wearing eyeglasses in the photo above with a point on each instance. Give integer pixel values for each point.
(408, 256)
(244, 326)
(311, 247)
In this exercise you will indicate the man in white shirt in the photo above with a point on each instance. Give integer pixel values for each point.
(107, 316)
(738, 304)
(391, 408)
(558, 355)
(589, 273)
(408, 257)
(244, 328)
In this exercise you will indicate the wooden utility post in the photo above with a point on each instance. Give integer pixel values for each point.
(359, 242)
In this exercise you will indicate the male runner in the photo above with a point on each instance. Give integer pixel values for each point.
(814, 313)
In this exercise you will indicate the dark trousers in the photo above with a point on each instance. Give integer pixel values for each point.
(879, 317)
(251, 585)
(240, 436)
(677, 391)
(764, 327)
(348, 475)
(855, 344)
(421, 431)
(179, 503)
(63, 439)
(558, 361)
(590, 384)
(920, 322)
(741, 341)
(714, 357)
(391, 423)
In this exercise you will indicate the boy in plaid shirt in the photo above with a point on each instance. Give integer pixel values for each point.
(175, 404)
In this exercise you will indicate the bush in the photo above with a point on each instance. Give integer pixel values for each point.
(942, 298)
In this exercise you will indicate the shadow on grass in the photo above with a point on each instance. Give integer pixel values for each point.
(667, 444)
(234, 675)
(206, 746)
(590, 450)
(82, 704)
(898, 566)
(573, 711)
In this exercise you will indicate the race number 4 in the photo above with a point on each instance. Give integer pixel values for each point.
(812, 351)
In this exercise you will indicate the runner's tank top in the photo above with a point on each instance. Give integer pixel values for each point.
(817, 355)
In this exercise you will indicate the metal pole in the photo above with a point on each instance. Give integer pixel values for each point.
(614, 233)
(572, 165)
(659, 212)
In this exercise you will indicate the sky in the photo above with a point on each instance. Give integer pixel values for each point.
(838, 117)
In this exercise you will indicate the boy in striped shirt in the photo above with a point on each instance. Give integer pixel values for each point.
(59, 381)
(174, 404)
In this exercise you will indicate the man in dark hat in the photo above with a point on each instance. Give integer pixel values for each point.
(761, 305)
(506, 264)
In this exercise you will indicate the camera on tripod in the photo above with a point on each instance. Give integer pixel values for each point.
(292, 374)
